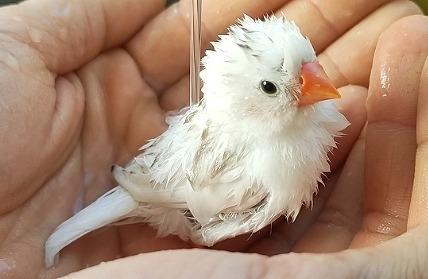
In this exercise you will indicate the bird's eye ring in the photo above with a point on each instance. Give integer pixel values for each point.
(268, 87)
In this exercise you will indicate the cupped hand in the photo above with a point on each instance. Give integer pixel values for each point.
(84, 84)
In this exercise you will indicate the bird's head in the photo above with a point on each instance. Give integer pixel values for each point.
(264, 69)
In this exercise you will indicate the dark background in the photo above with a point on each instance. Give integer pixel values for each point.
(4, 2)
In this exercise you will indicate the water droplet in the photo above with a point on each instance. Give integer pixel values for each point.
(35, 35)
(385, 228)
(384, 76)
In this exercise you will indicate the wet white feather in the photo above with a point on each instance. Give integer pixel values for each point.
(110, 207)
(235, 162)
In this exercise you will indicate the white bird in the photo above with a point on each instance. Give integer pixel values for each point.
(254, 149)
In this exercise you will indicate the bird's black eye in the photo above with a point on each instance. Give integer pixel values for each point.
(268, 87)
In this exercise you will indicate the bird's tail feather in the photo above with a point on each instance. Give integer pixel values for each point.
(111, 207)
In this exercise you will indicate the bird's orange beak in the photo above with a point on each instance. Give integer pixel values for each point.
(316, 85)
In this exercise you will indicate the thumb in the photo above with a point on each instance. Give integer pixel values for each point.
(69, 33)
(191, 263)
(402, 257)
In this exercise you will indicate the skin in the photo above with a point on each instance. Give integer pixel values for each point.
(84, 84)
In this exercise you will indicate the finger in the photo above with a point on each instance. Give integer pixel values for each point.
(176, 96)
(69, 33)
(123, 106)
(162, 48)
(391, 135)
(325, 21)
(418, 213)
(349, 59)
(179, 264)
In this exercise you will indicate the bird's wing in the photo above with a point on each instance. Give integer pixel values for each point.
(194, 166)
(221, 182)
(214, 168)
(157, 176)
(136, 179)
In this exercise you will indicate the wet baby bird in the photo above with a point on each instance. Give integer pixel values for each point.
(252, 150)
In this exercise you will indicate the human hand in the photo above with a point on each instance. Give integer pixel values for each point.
(95, 78)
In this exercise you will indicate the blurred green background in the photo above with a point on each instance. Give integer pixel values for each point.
(422, 3)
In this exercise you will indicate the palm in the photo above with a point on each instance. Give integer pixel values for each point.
(69, 129)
